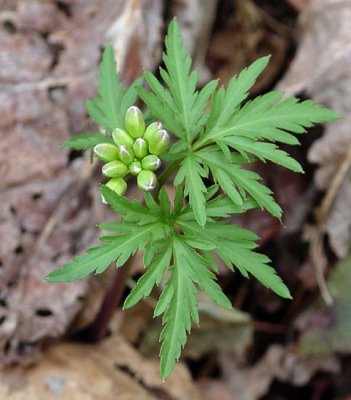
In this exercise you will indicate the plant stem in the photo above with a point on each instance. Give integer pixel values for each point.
(168, 172)
(98, 329)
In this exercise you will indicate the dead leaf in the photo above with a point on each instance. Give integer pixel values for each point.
(107, 371)
(322, 69)
(250, 383)
(49, 55)
(219, 330)
(196, 19)
(326, 330)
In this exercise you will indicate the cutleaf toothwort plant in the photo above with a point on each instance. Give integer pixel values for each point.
(214, 135)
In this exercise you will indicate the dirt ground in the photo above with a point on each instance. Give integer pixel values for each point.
(266, 348)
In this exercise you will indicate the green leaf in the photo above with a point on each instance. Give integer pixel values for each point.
(234, 246)
(118, 248)
(237, 91)
(180, 310)
(230, 174)
(131, 210)
(191, 172)
(179, 300)
(86, 140)
(179, 106)
(109, 107)
(81, 266)
(263, 151)
(271, 118)
(165, 204)
(150, 278)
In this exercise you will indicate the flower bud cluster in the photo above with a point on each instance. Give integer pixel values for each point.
(135, 151)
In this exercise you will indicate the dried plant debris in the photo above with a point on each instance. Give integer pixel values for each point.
(250, 383)
(196, 19)
(220, 330)
(326, 329)
(32, 309)
(112, 370)
(322, 69)
(244, 32)
(49, 53)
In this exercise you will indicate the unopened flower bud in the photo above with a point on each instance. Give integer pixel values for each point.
(106, 152)
(125, 154)
(135, 168)
(134, 122)
(151, 163)
(140, 148)
(146, 180)
(159, 142)
(151, 129)
(115, 169)
(121, 137)
(118, 185)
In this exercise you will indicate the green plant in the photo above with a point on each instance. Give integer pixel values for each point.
(214, 136)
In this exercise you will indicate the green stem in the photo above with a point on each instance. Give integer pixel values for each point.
(199, 144)
(168, 172)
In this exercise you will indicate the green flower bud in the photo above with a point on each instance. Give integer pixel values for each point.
(135, 167)
(146, 180)
(151, 129)
(118, 185)
(106, 152)
(125, 154)
(134, 122)
(121, 137)
(140, 148)
(115, 169)
(151, 162)
(159, 142)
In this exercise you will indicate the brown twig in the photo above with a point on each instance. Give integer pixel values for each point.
(99, 327)
(316, 243)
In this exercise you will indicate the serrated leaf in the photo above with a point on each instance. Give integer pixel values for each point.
(150, 278)
(249, 181)
(86, 140)
(200, 243)
(165, 205)
(234, 246)
(179, 312)
(109, 107)
(192, 173)
(179, 106)
(237, 91)
(229, 174)
(104, 109)
(179, 300)
(132, 210)
(268, 117)
(263, 151)
(81, 266)
(117, 248)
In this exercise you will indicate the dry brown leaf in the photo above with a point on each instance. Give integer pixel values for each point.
(49, 212)
(220, 330)
(109, 371)
(278, 363)
(322, 68)
(196, 19)
(326, 329)
(215, 389)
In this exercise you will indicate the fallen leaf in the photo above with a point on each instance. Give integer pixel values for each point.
(219, 330)
(326, 330)
(322, 68)
(250, 383)
(107, 371)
